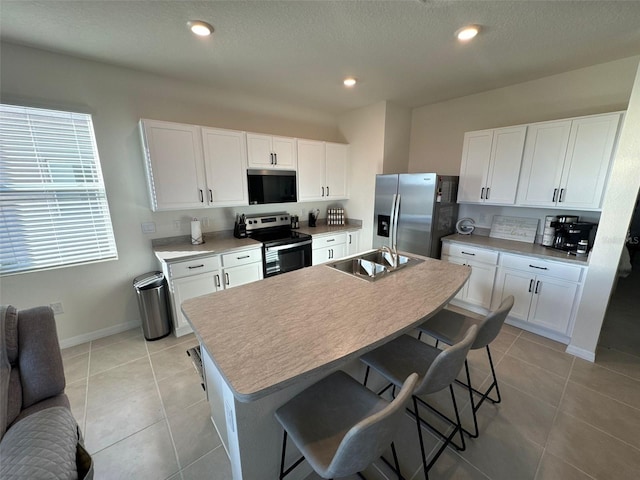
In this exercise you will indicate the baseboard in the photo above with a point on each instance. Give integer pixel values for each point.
(581, 353)
(103, 332)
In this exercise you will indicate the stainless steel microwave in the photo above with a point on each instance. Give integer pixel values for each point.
(271, 186)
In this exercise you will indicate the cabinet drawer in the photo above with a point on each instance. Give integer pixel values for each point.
(242, 258)
(535, 266)
(471, 253)
(328, 240)
(194, 267)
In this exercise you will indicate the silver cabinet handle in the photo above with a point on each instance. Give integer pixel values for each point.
(487, 196)
(482, 194)
(327, 190)
(191, 267)
(539, 268)
(244, 256)
(275, 158)
(201, 195)
(561, 199)
(537, 287)
(331, 240)
(271, 155)
(530, 285)
(349, 239)
(467, 253)
(226, 276)
(323, 191)
(217, 280)
(211, 195)
(555, 194)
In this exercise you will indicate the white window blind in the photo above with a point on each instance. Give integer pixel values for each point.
(53, 203)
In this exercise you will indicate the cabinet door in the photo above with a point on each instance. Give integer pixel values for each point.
(328, 254)
(552, 304)
(240, 275)
(284, 150)
(225, 160)
(337, 170)
(259, 151)
(586, 166)
(311, 170)
(544, 154)
(190, 287)
(353, 240)
(480, 284)
(175, 167)
(504, 167)
(462, 293)
(476, 153)
(520, 285)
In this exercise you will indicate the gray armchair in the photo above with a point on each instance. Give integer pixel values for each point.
(39, 438)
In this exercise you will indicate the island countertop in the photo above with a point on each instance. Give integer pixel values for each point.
(267, 335)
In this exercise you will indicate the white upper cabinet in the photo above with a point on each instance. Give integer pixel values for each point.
(266, 151)
(490, 166)
(174, 163)
(566, 163)
(322, 170)
(194, 167)
(225, 166)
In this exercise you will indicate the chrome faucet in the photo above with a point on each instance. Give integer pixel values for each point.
(393, 253)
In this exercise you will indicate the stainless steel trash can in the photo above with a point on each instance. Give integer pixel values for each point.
(151, 291)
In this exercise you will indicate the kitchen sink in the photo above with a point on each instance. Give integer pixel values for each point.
(372, 266)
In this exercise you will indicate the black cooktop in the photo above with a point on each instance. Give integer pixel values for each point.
(278, 236)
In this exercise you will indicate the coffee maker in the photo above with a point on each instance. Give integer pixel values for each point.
(571, 235)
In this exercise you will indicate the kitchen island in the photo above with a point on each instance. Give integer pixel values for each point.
(264, 342)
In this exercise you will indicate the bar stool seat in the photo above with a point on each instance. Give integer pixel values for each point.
(340, 426)
(450, 327)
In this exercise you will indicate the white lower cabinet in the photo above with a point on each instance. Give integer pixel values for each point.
(325, 248)
(353, 241)
(209, 274)
(478, 289)
(546, 293)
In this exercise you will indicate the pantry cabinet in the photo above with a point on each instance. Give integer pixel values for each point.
(546, 293)
(194, 167)
(479, 287)
(566, 163)
(322, 171)
(490, 167)
(271, 152)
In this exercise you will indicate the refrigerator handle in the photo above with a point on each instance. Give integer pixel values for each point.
(392, 220)
(395, 222)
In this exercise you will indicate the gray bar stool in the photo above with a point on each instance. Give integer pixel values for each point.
(437, 370)
(449, 327)
(340, 426)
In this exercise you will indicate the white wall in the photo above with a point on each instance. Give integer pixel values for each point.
(617, 210)
(99, 298)
(437, 130)
(364, 131)
(397, 130)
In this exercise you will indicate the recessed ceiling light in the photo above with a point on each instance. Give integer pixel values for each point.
(200, 28)
(467, 33)
(349, 82)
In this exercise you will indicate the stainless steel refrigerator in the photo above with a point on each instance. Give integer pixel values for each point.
(413, 211)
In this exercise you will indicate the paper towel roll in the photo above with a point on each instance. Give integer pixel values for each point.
(196, 232)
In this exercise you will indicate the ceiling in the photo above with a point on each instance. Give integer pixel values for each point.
(298, 52)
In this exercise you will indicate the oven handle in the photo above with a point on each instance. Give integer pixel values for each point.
(287, 247)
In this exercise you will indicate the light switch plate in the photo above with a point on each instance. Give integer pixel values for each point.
(148, 227)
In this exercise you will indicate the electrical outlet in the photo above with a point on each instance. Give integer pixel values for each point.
(148, 227)
(176, 224)
(57, 308)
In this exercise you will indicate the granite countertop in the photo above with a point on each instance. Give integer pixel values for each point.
(322, 229)
(326, 317)
(522, 248)
(179, 248)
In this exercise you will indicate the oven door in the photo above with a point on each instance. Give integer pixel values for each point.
(286, 258)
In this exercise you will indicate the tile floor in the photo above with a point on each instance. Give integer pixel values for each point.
(143, 412)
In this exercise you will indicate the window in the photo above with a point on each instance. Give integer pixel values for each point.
(53, 204)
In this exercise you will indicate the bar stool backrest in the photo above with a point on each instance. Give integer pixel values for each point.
(447, 365)
(492, 323)
(367, 439)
